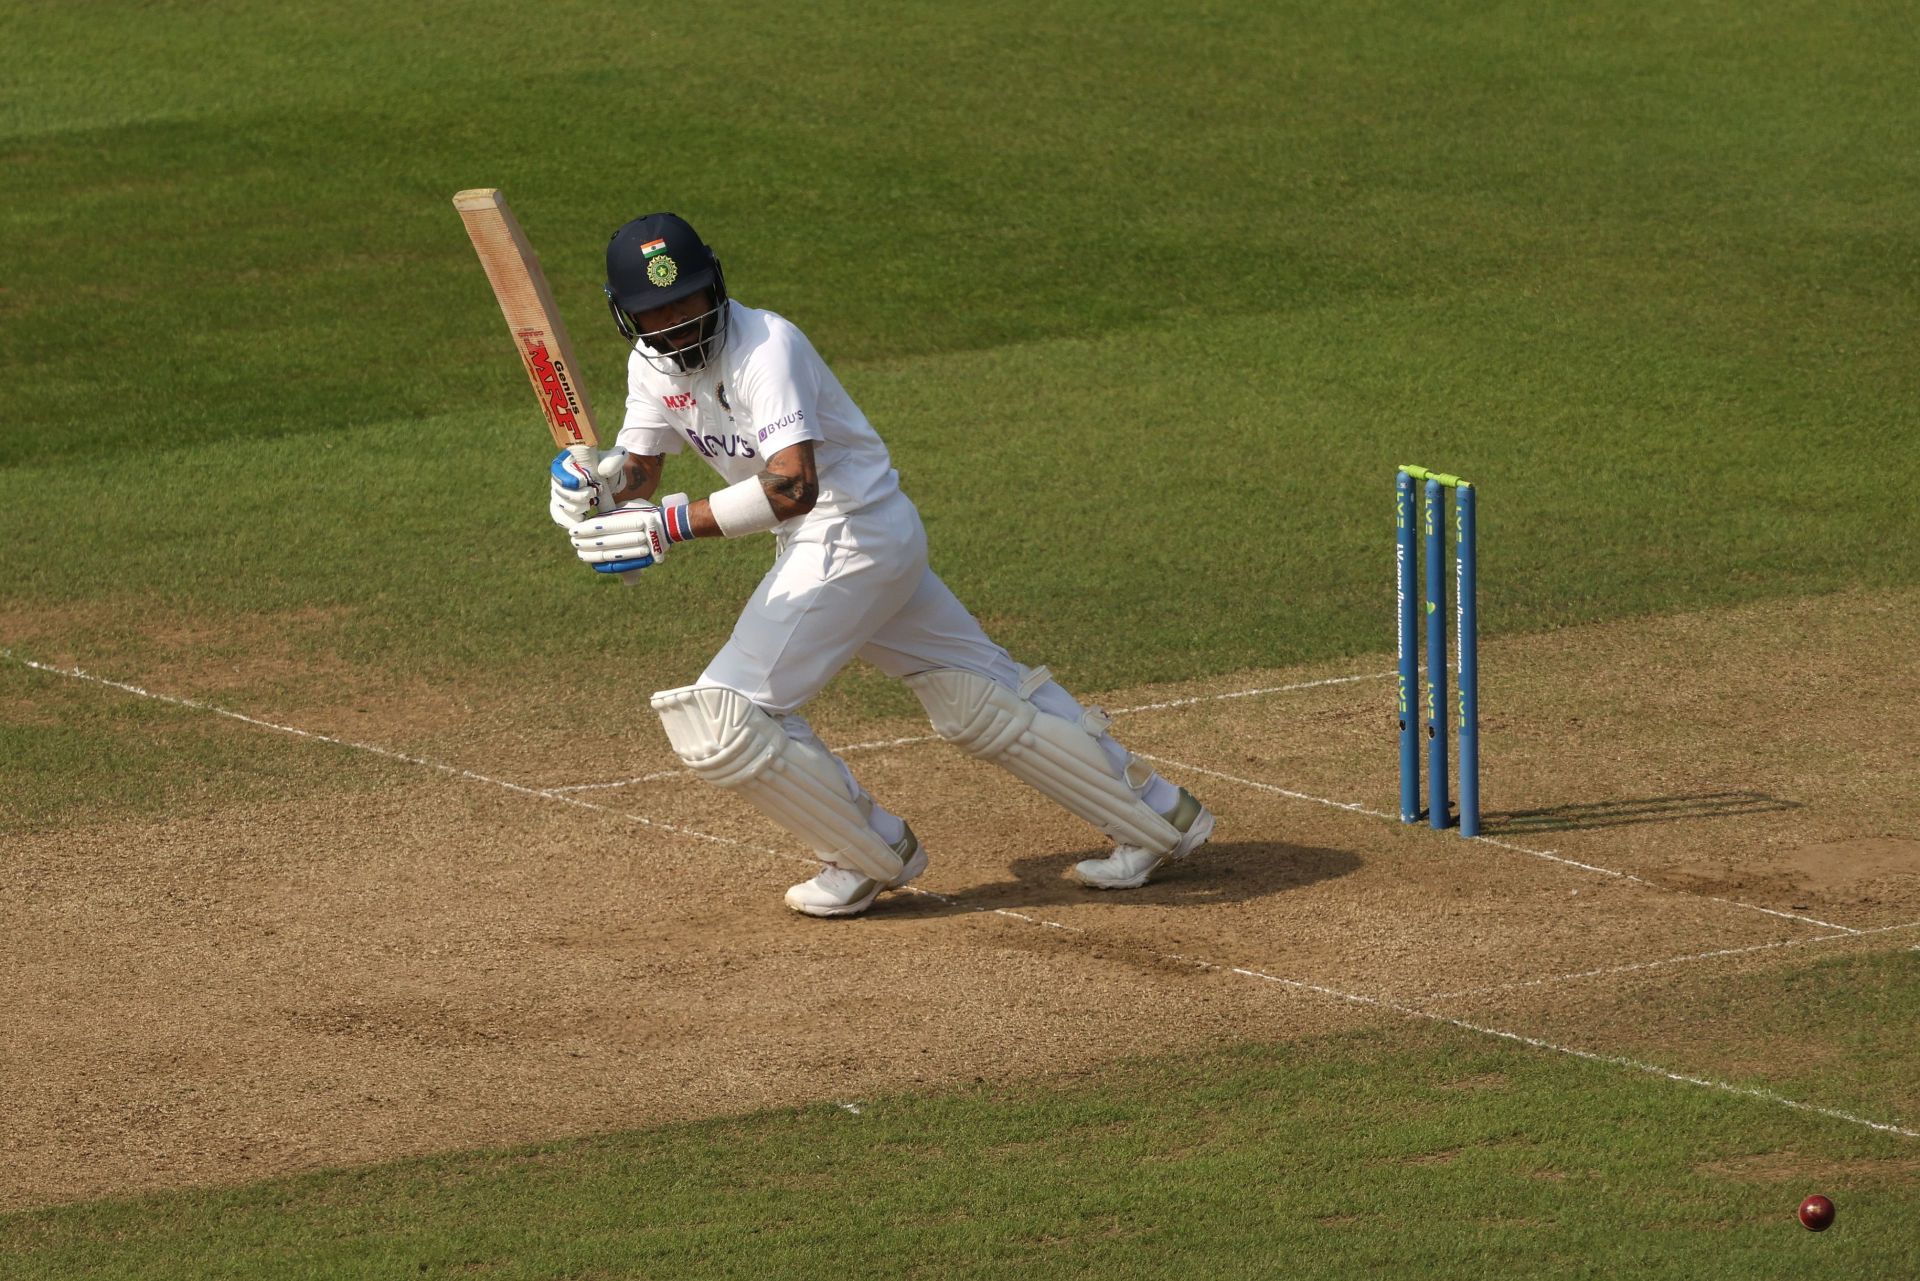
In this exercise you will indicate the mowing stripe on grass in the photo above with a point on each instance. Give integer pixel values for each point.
(1295, 984)
(1549, 855)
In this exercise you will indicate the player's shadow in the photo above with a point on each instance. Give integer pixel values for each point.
(1221, 872)
(1643, 809)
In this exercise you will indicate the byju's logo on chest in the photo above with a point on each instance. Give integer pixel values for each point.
(715, 446)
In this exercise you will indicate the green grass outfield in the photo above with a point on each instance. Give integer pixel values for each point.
(1148, 300)
(1400, 1151)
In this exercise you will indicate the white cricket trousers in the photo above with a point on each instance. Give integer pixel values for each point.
(858, 586)
(853, 586)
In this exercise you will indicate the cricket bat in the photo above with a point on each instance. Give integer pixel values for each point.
(526, 300)
(539, 334)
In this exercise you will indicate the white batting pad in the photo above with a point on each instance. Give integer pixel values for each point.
(726, 740)
(1060, 757)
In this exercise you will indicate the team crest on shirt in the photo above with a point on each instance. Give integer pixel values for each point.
(720, 391)
(662, 270)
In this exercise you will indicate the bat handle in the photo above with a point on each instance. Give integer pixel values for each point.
(629, 577)
(628, 570)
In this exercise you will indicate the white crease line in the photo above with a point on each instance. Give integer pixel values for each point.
(1250, 693)
(1671, 960)
(1269, 787)
(1505, 845)
(454, 771)
(558, 794)
(882, 744)
(625, 782)
(1008, 912)
(1413, 1012)
(1298, 984)
(387, 752)
(1589, 1055)
(1755, 907)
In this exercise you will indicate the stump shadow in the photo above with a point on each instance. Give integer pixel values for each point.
(1644, 809)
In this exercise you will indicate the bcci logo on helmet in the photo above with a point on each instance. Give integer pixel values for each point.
(657, 260)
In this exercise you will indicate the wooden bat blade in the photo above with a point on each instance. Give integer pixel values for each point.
(526, 301)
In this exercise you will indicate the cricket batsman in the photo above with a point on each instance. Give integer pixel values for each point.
(745, 390)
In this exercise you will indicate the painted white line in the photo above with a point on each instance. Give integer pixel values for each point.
(1414, 1012)
(1268, 787)
(561, 795)
(471, 776)
(1671, 960)
(1296, 984)
(1755, 907)
(1251, 693)
(453, 771)
(1612, 1060)
(625, 782)
(1505, 845)
(882, 744)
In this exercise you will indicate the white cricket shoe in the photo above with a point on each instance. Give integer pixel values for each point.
(838, 892)
(1129, 866)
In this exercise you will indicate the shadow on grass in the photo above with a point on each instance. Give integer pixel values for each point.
(1646, 809)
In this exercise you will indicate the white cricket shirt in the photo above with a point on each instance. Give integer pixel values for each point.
(769, 390)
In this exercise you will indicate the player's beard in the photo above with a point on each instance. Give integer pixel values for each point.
(695, 356)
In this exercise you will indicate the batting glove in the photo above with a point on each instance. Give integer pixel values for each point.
(584, 478)
(630, 537)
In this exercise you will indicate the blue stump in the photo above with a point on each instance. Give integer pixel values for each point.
(1407, 649)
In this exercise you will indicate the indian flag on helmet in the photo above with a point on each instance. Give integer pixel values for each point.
(653, 247)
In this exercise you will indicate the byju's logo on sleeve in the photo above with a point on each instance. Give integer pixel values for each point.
(797, 416)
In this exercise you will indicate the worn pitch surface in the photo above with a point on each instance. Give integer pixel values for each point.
(443, 960)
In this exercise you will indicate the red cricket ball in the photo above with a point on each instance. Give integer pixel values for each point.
(1816, 1213)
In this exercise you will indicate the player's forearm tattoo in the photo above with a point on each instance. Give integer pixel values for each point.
(797, 490)
(642, 477)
